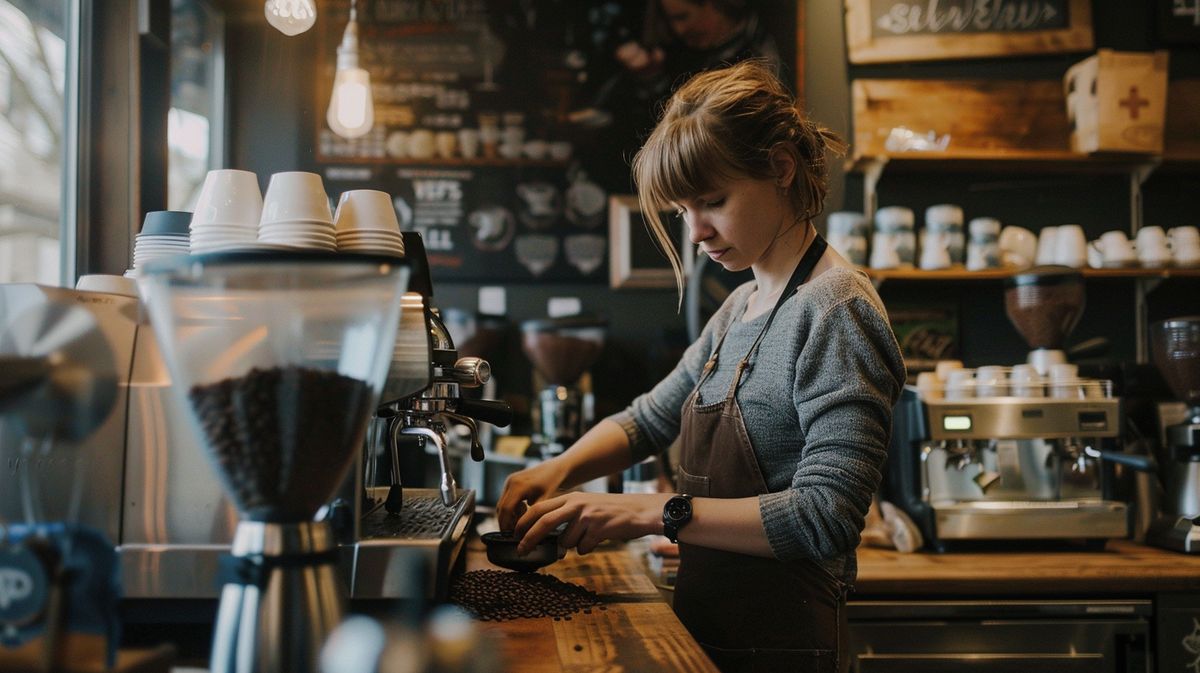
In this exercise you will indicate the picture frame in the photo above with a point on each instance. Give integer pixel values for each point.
(883, 31)
(635, 259)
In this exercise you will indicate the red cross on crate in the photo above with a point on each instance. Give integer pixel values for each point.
(1134, 102)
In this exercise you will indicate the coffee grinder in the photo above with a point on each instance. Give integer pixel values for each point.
(1175, 349)
(562, 350)
(1044, 304)
(281, 358)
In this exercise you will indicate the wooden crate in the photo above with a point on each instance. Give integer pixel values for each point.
(985, 118)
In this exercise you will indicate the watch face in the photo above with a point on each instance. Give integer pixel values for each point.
(677, 509)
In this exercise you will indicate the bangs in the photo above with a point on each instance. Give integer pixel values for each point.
(680, 160)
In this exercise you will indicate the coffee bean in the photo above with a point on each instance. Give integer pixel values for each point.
(282, 436)
(495, 595)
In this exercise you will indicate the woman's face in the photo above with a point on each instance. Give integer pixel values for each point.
(699, 24)
(735, 223)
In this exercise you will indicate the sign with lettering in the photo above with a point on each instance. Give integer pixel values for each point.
(920, 30)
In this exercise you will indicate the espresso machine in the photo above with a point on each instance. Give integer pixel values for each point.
(562, 350)
(1175, 349)
(1016, 456)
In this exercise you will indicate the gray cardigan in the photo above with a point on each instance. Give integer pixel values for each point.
(817, 401)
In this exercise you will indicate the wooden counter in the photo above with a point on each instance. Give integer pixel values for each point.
(635, 632)
(638, 631)
(1123, 568)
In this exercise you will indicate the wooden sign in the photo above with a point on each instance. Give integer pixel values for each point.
(879, 31)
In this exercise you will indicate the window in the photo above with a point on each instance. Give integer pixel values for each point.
(194, 123)
(33, 56)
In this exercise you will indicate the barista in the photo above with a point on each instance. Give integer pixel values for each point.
(782, 406)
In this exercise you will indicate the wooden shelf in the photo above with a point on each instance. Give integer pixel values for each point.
(960, 273)
(1004, 161)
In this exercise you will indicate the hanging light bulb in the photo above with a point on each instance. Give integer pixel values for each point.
(351, 109)
(291, 17)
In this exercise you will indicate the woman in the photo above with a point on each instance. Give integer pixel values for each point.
(783, 405)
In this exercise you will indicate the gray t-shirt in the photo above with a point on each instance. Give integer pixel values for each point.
(817, 402)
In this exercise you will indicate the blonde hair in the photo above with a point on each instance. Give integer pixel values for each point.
(724, 125)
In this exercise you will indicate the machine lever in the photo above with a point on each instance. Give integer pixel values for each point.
(495, 412)
(476, 447)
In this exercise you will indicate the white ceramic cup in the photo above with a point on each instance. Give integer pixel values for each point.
(365, 209)
(1063, 371)
(1026, 382)
(847, 223)
(943, 368)
(991, 381)
(884, 251)
(1018, 246)
(1116, 248)
(1185, 245)
(1152, 246)
(928, 386)
(944, 217)
(397, 144)
(960, 384)
(894, 218)
(229, 197)
(447, 144)
(468, 143)
(422, 144)
(984, 229)
(1070, 246)
(100, 282)
(982, 256)
(1047, 246)
(935, 250)
(296, 196)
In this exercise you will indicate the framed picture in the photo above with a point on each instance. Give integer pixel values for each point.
(880, 31)
(635, 258)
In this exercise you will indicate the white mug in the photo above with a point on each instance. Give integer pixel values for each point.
(1026, 382)
(1152, 248)
(468, 142)
(1047, 250)
(960, 384)
(1116, 248)
(884, 251)
(944, 217)
(1185, 245)
(1018, 246)
(991, 381)
(894, 218)
(935, 251)
(1070, 246)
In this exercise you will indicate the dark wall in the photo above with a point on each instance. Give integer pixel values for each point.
(273, 103)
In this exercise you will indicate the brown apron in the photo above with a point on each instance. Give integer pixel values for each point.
(750, 613)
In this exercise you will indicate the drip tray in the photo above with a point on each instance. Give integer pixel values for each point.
(411, 554)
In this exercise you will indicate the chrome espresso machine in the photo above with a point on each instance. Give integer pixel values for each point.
(1012, 453)
(151, 488)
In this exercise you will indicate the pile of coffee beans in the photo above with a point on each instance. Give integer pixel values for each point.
(497, 595)
(283, 436)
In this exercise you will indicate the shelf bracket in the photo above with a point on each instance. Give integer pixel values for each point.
(1137, 178)
(872, 170)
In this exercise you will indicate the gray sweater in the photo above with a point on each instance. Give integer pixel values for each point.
(817, 402)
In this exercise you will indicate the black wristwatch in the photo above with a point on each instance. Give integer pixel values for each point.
(676, 513)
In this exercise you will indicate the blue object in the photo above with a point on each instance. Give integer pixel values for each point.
(78, 558)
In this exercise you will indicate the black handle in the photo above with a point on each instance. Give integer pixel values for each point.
(495, 412)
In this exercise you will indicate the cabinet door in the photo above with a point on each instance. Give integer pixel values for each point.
(1177, 624)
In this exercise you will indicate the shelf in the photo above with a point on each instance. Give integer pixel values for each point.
(1029, 161)
(960, 273)
(435, 162)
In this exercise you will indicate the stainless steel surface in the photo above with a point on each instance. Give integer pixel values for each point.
(101, 453)
(1021, 418)
(172, 495)
(1001, 636)
(448, 488)
(1010, 520)
(472, 372)
(411, 369)
(387, 559)
(280, 623)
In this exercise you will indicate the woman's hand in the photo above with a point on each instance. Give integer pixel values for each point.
(591, 518)
(526, 487)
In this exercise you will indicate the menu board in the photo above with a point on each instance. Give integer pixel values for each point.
(501, 128)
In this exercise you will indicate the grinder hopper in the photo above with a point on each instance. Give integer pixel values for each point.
(1044, 304)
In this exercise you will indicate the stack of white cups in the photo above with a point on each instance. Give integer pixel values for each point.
(295, 213)
(227, 212)
(894, 243)
(366, 222)
(848, 235)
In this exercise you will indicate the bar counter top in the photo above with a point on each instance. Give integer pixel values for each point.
(637, 631)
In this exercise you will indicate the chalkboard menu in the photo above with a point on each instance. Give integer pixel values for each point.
(501, 127)
(918, 30)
